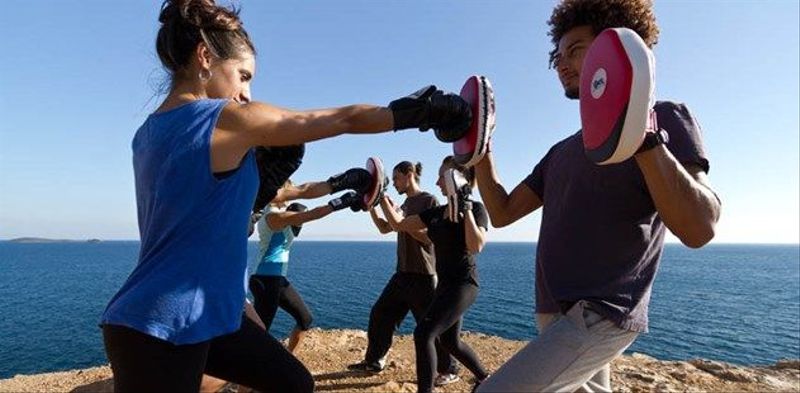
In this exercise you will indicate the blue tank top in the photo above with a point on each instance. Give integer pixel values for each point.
(188, 284)
(273, 248)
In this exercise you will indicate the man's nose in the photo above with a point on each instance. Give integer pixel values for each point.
(562, 67)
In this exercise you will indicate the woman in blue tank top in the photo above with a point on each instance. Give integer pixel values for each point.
(179, 314)
(277, 228)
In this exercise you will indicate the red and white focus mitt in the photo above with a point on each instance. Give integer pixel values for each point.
(617, 94)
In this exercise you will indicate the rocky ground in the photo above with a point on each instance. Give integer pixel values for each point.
(327, 352)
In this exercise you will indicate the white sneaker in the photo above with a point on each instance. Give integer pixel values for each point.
(446, 379)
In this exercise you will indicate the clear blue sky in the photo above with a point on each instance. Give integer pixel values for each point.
(78, 77)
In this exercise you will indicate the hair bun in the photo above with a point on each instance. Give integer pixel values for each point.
(203, 14)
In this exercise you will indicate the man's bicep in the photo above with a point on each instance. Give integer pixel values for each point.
(521, 202)
(699, 175)
(685, 136)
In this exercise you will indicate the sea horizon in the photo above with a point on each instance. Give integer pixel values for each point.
(393, 240)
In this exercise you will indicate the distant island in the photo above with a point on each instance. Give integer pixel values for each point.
(46, 240)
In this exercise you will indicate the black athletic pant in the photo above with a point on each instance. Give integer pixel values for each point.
(249, 357)
(443, 320)
(404, 292)
(271, 292)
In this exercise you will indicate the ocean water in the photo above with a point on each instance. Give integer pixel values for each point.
(735, 303)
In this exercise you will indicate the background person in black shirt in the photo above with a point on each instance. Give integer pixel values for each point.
(455, 245)
(412, 286)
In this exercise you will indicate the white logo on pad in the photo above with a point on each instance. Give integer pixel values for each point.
(599, 82)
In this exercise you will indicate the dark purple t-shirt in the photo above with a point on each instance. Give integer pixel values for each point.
(601, 238)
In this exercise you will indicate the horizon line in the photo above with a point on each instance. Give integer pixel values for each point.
(376, 241)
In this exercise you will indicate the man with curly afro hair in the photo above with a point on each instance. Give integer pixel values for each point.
(603, 227)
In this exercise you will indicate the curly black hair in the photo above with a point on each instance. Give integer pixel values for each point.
(636, 15)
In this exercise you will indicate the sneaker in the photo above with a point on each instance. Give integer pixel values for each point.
(446, 379)
(370, 367)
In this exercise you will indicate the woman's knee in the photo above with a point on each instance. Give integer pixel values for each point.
(380, 309)
(449, 343)
(305, 322)
(424, 333)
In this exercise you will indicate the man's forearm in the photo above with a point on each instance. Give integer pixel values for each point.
(382, 225)
(493, 193)
(391, 216)
(689, 208)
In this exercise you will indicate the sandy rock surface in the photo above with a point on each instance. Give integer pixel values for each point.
(328, 352)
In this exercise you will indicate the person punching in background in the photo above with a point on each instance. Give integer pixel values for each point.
(457, 231)
(412, 286)
(277, 228)
(356, 179)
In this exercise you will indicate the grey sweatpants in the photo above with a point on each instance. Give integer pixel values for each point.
(572, 353)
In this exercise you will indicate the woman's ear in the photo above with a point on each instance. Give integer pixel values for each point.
(203, 56)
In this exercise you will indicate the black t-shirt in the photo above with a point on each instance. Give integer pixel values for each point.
(453, 262)
(601, 237)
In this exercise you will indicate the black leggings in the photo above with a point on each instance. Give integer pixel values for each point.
(271, 292)
(249, 357)
(443, 320)
(404, 292)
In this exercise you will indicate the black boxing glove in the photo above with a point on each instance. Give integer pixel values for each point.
(465, 200)
(448, 114)
(451, 117)
(356, 179)
(275, 165)
(299, 208)
(351, 199)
